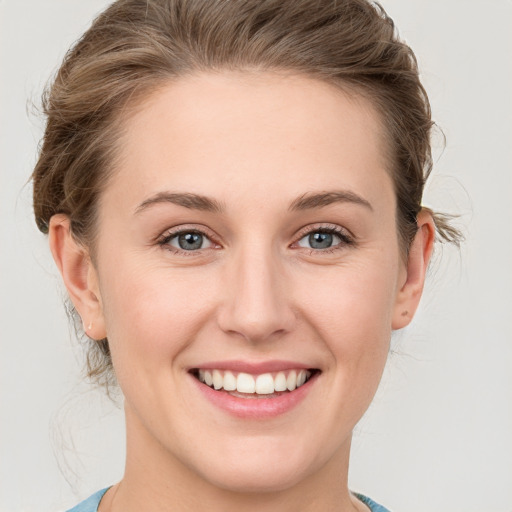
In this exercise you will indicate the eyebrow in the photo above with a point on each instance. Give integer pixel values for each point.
(185, 199)
(313, 200)
(307, 201)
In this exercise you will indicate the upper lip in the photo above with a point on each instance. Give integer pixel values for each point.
(252, 367)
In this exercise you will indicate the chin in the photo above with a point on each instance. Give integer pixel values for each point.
(259, 466)
(255, 479)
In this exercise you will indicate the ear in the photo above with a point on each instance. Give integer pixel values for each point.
(79, 275)
(409, 294)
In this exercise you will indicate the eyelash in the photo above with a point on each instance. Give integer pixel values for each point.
(165, 239)
(346, 240)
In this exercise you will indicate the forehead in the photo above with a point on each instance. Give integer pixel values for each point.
(240, 134)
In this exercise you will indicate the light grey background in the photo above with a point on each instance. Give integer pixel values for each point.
(439, 435)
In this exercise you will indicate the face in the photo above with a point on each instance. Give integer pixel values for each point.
(248, 236)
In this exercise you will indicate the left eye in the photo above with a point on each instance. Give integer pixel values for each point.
(189, 241)
(320, 240)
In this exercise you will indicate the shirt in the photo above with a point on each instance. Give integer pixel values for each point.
(91, 503)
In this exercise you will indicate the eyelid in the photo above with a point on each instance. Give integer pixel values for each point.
(327, 227)
(169, 234)
(346, 237)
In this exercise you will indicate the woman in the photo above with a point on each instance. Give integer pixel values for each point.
(232, 193)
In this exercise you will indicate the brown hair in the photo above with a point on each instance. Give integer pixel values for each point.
(135, 46)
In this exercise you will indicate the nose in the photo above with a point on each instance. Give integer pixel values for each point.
(257, 300)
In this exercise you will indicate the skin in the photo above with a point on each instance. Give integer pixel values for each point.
(256, 291)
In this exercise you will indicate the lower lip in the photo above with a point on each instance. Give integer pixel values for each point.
(256, 408)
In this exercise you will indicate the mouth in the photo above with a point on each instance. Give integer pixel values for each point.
(243, 385)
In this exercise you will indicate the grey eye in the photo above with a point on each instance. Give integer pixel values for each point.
(320, 240)
(190, 241)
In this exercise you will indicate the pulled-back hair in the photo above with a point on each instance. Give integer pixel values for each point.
(137, 46)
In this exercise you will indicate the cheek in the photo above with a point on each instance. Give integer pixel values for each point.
(151, 314)
(353, 301)
(351, 310)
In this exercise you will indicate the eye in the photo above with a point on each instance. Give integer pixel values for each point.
(187, 241)
(323, 239)
(318, 240)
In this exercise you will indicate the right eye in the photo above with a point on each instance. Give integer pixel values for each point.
(188, 241)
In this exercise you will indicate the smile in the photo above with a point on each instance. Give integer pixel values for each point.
(246, 385)
(254, 390)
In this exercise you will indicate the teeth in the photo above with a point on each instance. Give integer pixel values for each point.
(264, 384)
(280, 382)
(245, 383)
(217, 379)
(229, 381)
(291, 381)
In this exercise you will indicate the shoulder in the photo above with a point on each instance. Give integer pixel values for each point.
(91, 503)
(374, 507)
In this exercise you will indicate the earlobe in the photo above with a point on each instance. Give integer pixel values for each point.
(79, 275)
(409, 294)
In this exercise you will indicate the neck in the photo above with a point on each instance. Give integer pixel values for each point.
(156, 481)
